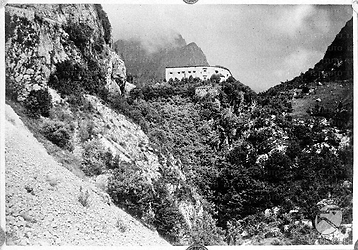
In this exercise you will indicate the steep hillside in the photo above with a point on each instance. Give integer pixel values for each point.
(66, 83)
(45, 202)
(327, 89)
(336, 65)
(149, 66)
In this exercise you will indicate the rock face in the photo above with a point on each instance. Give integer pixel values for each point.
(148, 66)
(38, 37)
(338, 59)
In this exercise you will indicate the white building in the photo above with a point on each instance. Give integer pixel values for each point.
(203, 72)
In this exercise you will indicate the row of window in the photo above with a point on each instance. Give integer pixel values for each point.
(184, 72)
(216, 71)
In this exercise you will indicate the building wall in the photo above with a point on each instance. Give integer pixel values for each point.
(203, 72)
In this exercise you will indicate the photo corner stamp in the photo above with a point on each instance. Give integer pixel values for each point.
(3, 3)
(355, 6)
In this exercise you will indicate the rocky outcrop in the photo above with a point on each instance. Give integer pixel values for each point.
(38, 37)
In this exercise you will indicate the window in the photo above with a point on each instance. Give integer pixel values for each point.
(194, 71)
(204, 69)
(171, 73)
(178, 72)
(189, 71)
(183, 72)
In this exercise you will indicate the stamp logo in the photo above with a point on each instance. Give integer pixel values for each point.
(190, 1)
(196, 247)
(328, 220)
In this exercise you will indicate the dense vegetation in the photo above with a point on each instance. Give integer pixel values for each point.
(244, 154)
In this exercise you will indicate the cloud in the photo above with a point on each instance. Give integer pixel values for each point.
(297, 62)
(295, 20)
(146, 23)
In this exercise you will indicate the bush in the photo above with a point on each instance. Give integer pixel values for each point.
(38, 103)
(95, 158)
(130, 190)
(169, 221)
(79, 33)
(215, 78)
(73, 80)
(83, 197)
(87, 130)
(58, 133)
(205, 231)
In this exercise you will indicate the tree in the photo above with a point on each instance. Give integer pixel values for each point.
(215, 78)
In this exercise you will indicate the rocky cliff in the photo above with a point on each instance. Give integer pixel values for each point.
(147, 66)
(39, 37)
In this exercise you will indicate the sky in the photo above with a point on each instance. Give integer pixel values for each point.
(262, 45)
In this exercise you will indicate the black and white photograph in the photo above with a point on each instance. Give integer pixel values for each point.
(189, 124)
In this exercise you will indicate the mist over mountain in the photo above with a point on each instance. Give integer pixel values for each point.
(337, 63)
(146, 62)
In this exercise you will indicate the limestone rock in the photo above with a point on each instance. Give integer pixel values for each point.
(40, 38)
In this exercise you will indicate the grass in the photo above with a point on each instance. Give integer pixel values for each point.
(120, 224)
(83, 197)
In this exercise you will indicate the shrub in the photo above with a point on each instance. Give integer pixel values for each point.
(205, 231)
(120, 224)
(95, 158)
(11, 88)
(130, 190)
(73, 80)
(86, 130)
(215, 78)
(83, 197)
(38, 103)
(58, 133)
(79, 33)
(169, 221)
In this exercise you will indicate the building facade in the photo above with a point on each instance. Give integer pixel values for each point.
(202, 72)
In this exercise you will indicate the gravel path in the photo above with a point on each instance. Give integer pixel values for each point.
(42, 206)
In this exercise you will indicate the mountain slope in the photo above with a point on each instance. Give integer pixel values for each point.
(146, 66)
(63, 79)
(330, 82)
(42, 206)
(337, 63)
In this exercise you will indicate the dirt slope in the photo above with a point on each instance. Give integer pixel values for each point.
(42, 206)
